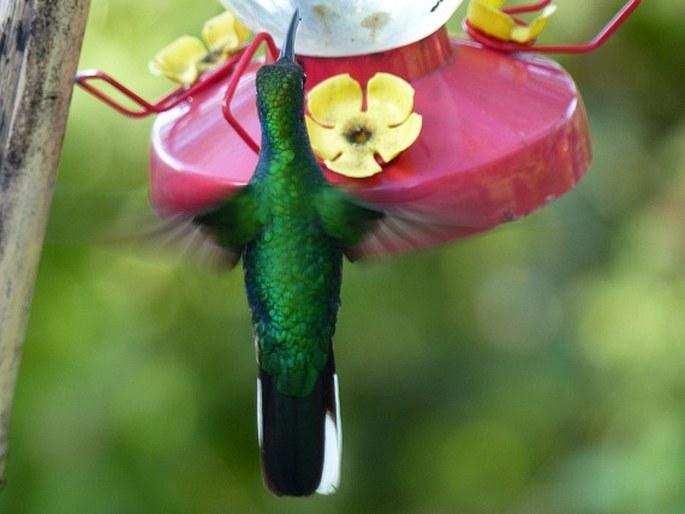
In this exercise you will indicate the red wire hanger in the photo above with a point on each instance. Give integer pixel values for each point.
(509, 46)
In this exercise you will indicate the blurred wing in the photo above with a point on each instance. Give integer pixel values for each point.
(367, 229)
(399, 230)
(190, 242)
(342, 217)
(233, 222)
(125, 221)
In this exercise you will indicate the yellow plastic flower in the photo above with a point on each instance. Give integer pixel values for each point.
(185, 58)
(486, 16)
(347, 138)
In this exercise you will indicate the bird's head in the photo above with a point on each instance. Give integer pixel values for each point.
(280, 86)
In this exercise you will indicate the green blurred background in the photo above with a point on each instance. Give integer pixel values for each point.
(538, 368)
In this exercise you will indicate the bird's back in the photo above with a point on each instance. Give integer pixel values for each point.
(292, 275)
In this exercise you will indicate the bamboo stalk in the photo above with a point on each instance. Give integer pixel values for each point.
(39, 47)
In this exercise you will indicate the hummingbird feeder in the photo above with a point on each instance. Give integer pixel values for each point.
(453, 136)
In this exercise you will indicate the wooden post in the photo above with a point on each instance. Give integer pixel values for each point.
(40, 42)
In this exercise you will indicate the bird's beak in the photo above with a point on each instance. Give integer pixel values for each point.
(288, 49)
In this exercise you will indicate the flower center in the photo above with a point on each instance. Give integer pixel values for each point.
(213, 58)
(358, 135)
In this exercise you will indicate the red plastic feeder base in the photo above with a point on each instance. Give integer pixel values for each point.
(502, 136)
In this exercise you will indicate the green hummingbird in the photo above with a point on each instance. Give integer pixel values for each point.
(291, 228)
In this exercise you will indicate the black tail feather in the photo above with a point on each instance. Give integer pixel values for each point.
(293, 433)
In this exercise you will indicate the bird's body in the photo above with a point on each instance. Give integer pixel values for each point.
(291, 228)
(292, 267)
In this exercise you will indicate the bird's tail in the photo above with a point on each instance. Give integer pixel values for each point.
(300, 437)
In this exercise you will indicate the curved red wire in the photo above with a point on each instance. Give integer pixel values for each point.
(240, 68)
(508, 46)
(234, 68)
(87, 78)
(527, 8)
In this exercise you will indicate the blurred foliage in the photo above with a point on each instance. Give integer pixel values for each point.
(539, 368)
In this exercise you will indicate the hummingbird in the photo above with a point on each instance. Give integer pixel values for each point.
(291, 228)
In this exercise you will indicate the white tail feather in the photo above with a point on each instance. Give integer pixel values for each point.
(330, 476)
(260, 418)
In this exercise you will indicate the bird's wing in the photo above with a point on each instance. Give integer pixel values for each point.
(366, 229)
(233, 222)
(399, 230)
(342, 217)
